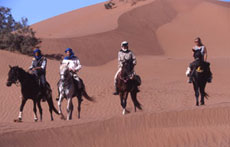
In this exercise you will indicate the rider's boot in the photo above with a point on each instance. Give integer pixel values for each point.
(116, 91)
(138, 90)
(190, 79)
(43, 89)
(210, 79)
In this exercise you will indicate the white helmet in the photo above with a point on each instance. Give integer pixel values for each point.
(124, 43)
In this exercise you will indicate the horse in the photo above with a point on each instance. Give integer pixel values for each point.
(200, 75)
(30, 89)
(127, 83)
(67, 88)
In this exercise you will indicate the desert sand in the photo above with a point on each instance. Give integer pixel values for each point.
(161, 34)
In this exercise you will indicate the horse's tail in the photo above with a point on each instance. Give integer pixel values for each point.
(138, 104)
(51, 105)
(206, 95)
(135, 101)
(85, 94)
(50, 100)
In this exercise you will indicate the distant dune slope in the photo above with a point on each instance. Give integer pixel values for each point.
(137, 26)
(207, 20)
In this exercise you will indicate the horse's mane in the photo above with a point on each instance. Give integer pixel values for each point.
(22, 71)
(63, 66)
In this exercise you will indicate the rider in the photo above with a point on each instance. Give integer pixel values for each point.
(74, 64)
(38, 68)
(199, 48)
(123, 55)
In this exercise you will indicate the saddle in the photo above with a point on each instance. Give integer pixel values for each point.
(134, 77)
(137, 79)
(199, 69)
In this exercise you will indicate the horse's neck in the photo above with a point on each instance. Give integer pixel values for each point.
(122, 74)
(24, 76)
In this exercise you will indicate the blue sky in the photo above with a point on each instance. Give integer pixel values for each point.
(37, 10)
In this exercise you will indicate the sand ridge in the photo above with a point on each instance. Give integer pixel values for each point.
(169, 116)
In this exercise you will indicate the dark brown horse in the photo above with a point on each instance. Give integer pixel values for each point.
(200, 75)
(128, 83)
(30, 89)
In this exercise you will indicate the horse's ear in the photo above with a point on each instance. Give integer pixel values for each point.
(10, 66)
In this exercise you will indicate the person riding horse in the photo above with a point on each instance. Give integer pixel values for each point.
(200, 55)
(73, 64)
(124, 55)
(38, 68)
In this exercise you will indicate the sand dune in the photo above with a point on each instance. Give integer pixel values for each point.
(160, 33)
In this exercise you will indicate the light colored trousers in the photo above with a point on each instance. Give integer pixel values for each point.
(115, 77)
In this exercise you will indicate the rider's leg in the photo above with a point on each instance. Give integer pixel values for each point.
(43, 87)
(115, 82)
(79, 84)
(192, 67)
(209, 73)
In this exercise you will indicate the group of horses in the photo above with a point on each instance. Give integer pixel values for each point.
(68, 88)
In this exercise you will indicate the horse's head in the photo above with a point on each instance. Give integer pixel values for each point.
(64, 72)
(13, 75)
(198, 55)
(127, 68)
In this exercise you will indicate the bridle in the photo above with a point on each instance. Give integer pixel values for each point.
(128, 76)
(15, 81)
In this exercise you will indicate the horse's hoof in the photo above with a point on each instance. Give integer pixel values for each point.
(125, 111)
(18, 120)
(35, 120)
(63, 117)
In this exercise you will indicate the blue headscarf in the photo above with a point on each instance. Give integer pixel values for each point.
(37, 51)
(71, 54)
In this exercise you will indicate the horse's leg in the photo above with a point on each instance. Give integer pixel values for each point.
(40, 109)
(135, 101)
(35, 111)
(69, 108)
(79, 97)
(125, 96)
(21, 110)
(202, 92)
(122, 100)
(196, 93)
(59, 106)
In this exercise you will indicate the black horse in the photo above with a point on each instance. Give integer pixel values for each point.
(128, 83)
(200, 76)
(30, 89)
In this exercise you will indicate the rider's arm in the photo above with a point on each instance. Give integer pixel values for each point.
(31, 66)
(119, 60)
(134, 59)
(205, 54)
(77, 65)
(43, 66)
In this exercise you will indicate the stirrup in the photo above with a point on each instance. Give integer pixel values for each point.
(189, 81)
(116, 93)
